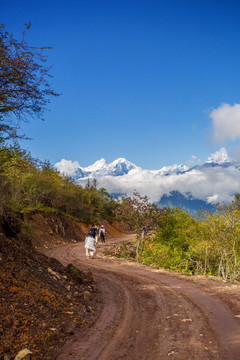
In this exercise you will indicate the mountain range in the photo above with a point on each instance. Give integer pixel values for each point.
(199, 186)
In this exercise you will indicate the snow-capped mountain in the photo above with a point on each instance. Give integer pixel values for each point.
(118, 167)
(168, 170)
(100, 168)
(220, 157)
(215, 180)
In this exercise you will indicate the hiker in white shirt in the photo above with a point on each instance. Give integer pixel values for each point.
(90, 245)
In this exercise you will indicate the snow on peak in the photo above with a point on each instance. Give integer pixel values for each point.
(121, 160)
(123, 164)
(220, 157)
(173, 169)
(99, 164)
(215, 180)
(120, 167)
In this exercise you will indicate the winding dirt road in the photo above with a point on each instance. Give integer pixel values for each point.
(152, 314)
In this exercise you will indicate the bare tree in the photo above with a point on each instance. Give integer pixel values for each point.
(138, 214)
(24, 86)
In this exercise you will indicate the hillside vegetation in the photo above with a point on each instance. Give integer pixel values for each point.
(27, 185)
(207, 243)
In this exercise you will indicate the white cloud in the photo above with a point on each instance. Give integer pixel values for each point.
(213, 199)
(226, 122)
(209, 184)
(193, 160)
(67, 167)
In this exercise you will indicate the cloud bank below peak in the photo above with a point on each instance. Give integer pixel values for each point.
(216, 180)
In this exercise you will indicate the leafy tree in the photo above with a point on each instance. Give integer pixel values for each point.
(222, 236)
(24, 86)
(138, 214)
(170, 243)
(207, 244)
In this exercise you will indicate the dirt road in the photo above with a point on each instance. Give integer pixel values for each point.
(153, 314)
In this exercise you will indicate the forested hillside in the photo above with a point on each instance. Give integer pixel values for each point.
(27, 185)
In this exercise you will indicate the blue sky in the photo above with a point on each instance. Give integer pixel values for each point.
(139, 79)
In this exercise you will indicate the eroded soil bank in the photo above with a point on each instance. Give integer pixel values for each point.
(43, 303)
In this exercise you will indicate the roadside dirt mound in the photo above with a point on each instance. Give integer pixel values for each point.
(50, 229)
(42, 302)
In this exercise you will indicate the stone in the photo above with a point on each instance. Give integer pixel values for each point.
(69, 327)
(87, 295)
(53, 273)
(23, 354)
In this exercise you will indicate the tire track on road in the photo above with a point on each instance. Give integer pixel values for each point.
(156, 316)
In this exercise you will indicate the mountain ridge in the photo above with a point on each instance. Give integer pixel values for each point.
(215, 180)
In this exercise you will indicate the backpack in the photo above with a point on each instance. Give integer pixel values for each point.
(93, 232)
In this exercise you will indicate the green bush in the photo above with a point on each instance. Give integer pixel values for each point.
(209, 244)
(171, 241)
